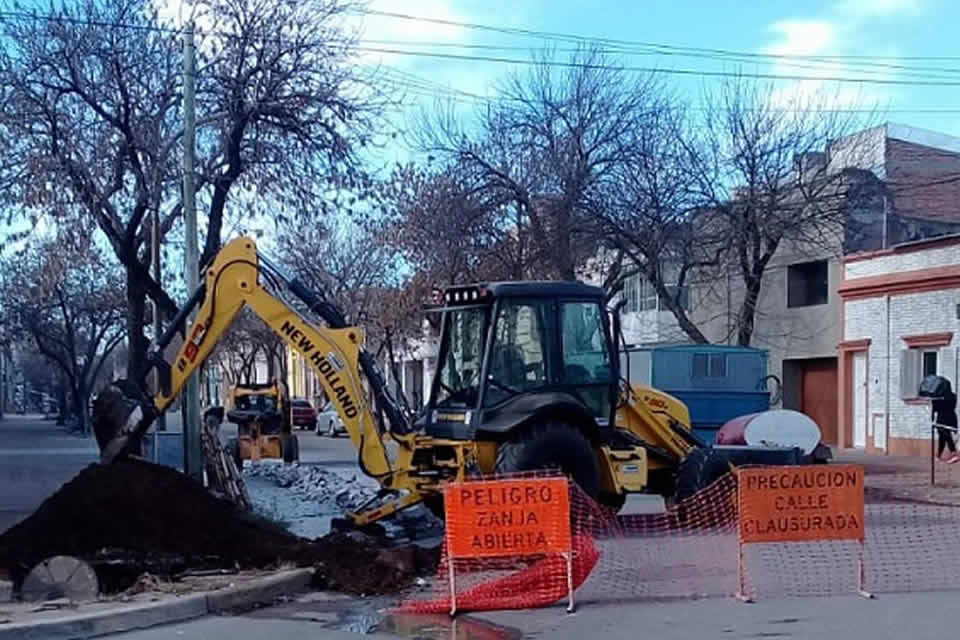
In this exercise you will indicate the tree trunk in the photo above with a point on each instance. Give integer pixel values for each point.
(62, 401)
(683, 320)
(80, 400)
(270, 364)
(562, 253)
(748, 312)
(137, 342)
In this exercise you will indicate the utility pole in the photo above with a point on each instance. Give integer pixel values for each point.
(157, 324)
(192, 452)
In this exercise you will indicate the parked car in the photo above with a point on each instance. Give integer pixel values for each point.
(329, 422)
(304, 415)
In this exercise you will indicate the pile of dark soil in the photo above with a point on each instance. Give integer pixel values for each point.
(360, 565)
(131, 517)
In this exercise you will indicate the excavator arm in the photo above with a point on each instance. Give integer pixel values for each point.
(234, 280)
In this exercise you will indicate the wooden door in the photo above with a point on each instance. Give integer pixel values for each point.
(819, 395)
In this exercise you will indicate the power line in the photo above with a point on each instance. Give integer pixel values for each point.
(24, 15)
(568, 37)
(434, 88)
(732, 56)
(512, 61)
(657, 70)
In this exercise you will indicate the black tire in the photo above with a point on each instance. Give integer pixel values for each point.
(551, 444)
(435, 506)
(701, 468)
(291, 449)
(613, 501)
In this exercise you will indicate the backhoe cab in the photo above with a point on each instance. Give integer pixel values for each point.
(527, 371)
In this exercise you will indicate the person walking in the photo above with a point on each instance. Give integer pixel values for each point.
(945, 413)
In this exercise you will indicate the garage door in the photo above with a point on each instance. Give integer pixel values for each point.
(818, 381)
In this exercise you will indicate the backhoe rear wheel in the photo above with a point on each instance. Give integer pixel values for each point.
(552, 444)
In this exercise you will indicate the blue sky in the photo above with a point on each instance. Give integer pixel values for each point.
(883, 35)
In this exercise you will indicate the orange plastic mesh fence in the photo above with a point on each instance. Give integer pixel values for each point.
(614, 557)
(692, 551)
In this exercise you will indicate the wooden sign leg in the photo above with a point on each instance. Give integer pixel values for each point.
(570, 604)
(453, 588)
(861, 573)
(741, 580)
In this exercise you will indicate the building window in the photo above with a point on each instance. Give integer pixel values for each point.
(807, 284)
(915, 365)
(709, 365)
(928, 363)
(641, 295)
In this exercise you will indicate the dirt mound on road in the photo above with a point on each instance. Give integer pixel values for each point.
(134, 516)
(357, 564)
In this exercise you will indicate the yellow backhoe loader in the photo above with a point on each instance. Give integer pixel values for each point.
(264, 420)
(527, 378)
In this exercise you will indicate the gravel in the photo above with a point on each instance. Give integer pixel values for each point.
(305, 498)
(330, 491)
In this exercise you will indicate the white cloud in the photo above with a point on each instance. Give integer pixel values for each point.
(373, 27)
(842, 30)
(871, 8)
(807, 38)
(801, 37)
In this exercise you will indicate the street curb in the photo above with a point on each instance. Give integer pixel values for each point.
(264, 590)
(88, 625)
(142, 616)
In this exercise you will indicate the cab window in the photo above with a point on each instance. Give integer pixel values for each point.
(519, 357)
(586, 354)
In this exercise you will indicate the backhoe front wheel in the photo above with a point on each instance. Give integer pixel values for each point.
(701, 468)
(552, 444)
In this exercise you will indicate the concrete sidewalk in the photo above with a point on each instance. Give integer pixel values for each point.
(905, 478)
(22, 620)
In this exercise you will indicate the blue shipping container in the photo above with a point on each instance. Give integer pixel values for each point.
(716, 382)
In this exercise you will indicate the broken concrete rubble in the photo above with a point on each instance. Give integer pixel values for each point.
(314, 483)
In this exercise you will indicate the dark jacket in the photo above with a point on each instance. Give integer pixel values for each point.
(945, 409)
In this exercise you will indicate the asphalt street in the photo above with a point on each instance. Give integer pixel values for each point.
(37, 457)
(916, 615)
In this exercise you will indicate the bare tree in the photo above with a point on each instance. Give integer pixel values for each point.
(763, 179)
(238, 351)
(651, 209)
(548, 146)
(68, 299)
(440, 224)
(91, 122)
(354, 266)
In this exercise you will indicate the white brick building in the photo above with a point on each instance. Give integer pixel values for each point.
(900, 309)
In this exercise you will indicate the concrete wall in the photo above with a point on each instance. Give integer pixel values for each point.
(648, 327)
(922, 179)
(786, 333)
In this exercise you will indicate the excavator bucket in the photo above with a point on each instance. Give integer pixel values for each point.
(122, 413)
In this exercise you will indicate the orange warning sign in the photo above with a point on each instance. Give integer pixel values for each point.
(507, 517)
(801, 503)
